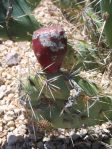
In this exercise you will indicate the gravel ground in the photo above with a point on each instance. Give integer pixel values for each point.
(15, 59)
(18, 130)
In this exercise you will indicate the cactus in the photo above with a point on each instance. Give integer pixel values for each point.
(60, 97)
(50, 86)
(16, 19)
(65, 111)
(71, 9)
(106, 7)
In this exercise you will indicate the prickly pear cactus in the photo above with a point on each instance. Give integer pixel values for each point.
(16, 19)
(70, 8)
(106, 7)
(79, 114)
(54, 103)
(61, 97)
(49, 86)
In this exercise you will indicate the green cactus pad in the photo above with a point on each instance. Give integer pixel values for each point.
(70, 58)
(106, 7)
(98, 111)
(59, 87)
(21, 23)
(52, 86)
(86, 109)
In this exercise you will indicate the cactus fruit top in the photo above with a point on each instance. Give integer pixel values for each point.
(50, 46)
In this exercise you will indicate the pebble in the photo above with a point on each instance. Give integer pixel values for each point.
(45, 139)
(2, 81)
(21, 117)
(40, 145)
(75, 137)
(8, 118)
(8, 43)
(2, 134)
(12, 59)
(21, 129)
(11, 129)
(10, 147)
(11, 138)
(1, 128)
(10, 124)
(10, 96)
(10, 113)
(2, 91)
(98, 145)
(1, 110)
(82, 132)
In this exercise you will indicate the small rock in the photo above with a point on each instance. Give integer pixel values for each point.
(21, 117)
(49, 145)
(9, 77)
(2, 134)
(3, 142)
(8, 43)
(0, 142)
(45, 139)
(10, 113)
(82, 132)
(21, 129)
(11, 129)
(2, 81)
(75, 137)
(106, 131)
(12, 59)
(1, 128)
(11, 138)
(10, 124)
(10, 96)
(2, 47)
(97, 145)
(2, 108)
(15, 131)
(10, 147)
(17, 111)
(1, 123)
(8, 118)
(18, 146)
(40, 145)
(2, 91)
(83, 145)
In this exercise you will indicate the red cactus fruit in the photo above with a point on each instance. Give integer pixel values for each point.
(50, 46)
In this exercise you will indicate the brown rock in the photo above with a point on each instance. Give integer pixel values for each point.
(2, 134)
(2, 81)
